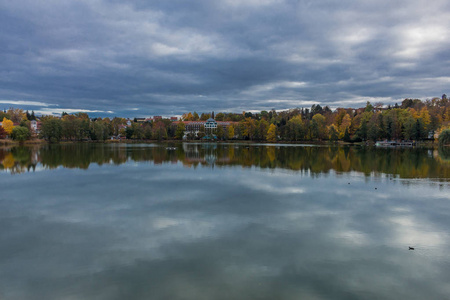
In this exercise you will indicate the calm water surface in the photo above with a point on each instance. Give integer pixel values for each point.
(223, 221)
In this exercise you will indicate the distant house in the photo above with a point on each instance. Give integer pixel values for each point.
(173, 119)
(157, 118)
(209, 125)
(35, 126)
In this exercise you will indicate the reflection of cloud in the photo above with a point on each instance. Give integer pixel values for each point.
(409, 232)
(168, 232)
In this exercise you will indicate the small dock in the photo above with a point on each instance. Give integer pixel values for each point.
(395, 143)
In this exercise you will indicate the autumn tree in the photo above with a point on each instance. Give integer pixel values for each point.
(188, 117)
(159, 131)
(248, 128)
(272, 133)
(16, 114)
(220, 117)
(2, 132)
(345, 125)
(295, 128)
(230, 132)
(333, 133)
(204, 117)
(195, 116)
(8, 125)
(262, 127)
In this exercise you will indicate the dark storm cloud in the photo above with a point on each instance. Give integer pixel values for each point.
(169, 57)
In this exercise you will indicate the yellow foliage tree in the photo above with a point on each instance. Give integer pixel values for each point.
(230, 132)
(16, 114)
(272, 133)
(425, 115)
(414, 113)
(8, 125)
(346, 122)
(249, 127)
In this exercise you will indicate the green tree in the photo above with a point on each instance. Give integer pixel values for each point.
(373, 131)
(179, 133)
(148, 132)
(369, 107)
(362, 131)
(334, 134)
(295, 128)
(419, 130)
(444, 138)
(347, 136)
(100, 131)
(51, 129)
(262, 127)
(20, 133)
(318, 128)
(201, 133)
(138, 131)
(129, 131)
(409, 128)
(220, 132)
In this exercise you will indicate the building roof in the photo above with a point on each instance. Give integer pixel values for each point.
(210, 120)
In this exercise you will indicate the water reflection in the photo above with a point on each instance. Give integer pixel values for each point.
(117, 227)
(406, 163)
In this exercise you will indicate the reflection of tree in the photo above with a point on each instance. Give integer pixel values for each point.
(403, 162)
(444, 154)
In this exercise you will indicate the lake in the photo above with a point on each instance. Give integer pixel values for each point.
(223, 221)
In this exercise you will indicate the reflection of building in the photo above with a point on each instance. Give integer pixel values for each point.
(203, 154)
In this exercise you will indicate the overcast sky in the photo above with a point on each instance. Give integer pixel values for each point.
(163, 57)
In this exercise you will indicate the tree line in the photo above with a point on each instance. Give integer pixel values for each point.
(413, 119)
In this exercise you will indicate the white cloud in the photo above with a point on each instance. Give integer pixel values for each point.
(25, 102)
(59, 111)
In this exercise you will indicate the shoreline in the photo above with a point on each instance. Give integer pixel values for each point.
(11, 143)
